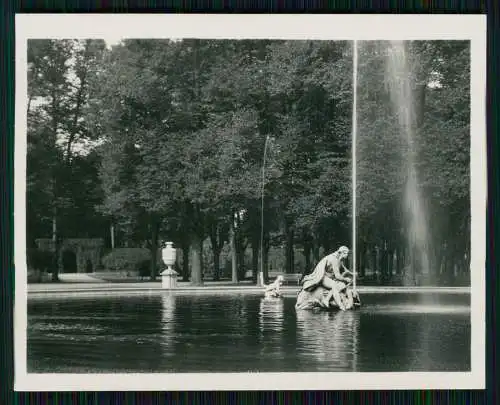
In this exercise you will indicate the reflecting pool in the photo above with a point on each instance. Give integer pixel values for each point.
(167, 332)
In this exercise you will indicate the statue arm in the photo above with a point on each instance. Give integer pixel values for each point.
(346, 270)
(336, 271)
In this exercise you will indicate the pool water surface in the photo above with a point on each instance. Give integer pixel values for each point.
(169, 332)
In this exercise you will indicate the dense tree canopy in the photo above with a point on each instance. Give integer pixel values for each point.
(165, 140)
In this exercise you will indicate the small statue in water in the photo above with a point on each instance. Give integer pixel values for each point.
(273, 290)
(330, 280)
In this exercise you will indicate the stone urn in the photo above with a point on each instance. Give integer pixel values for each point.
(169, 275)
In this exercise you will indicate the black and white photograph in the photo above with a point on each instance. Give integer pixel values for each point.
(250, 202)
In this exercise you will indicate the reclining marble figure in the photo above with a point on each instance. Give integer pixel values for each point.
(328, 286)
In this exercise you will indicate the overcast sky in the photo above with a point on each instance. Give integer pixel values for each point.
(112, 41)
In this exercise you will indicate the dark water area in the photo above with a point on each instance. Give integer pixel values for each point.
(239, 333)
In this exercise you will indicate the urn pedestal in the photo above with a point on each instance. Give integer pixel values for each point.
(169, 275)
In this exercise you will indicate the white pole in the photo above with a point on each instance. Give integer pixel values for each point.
(262, 215)
(112, 229)
(354, 142)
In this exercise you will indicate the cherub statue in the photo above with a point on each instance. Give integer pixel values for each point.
(273, 290)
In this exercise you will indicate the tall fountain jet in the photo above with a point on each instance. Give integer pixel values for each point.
(401, 94)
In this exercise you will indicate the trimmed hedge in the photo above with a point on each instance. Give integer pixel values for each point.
(132, 261)
(40, 260)
(126, 259)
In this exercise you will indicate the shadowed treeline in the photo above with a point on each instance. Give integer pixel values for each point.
(156, 140)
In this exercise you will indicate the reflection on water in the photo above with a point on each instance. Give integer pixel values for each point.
(271, 318)
(421, 309)
(167, 322)
(330, 338)
(172, 332)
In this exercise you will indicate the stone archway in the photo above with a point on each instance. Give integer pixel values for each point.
(87, 253)
(89, 268)
(68, 259)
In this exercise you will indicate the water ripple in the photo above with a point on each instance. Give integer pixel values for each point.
(169, 333)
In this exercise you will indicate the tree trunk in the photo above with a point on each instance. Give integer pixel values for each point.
(73, 131)
(154, 249)
(390, 262)
(185, 262)
(196, 260)
(55, 238)
(315, 251)
(359, 260)
(376, 261)
(216, 253)
(255, 263)
(240, 251)
(112, 232)
(399, 262)
(362, 261)
(384, 261)
(453, 258)
(30, 99)
(55, 242)
(289, 262)
(216, 242)
(307, 257)
(234, 259)
(80, 100)
(255, 256)
(266, 247)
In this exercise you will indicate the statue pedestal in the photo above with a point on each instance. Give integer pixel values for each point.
(169, 279)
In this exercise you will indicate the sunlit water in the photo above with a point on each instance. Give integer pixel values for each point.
(238, 333)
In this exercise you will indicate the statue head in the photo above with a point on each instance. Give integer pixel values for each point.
(279, 279)
(343, 252)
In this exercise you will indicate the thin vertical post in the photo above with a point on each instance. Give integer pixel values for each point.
(262, 214)
(354, 144)
(112, 231)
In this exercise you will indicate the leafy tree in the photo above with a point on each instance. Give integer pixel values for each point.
(57, 96)
(182, 127)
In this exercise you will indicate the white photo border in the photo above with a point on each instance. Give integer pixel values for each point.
(258, 26)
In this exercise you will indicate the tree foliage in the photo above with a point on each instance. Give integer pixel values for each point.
(182, 126)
